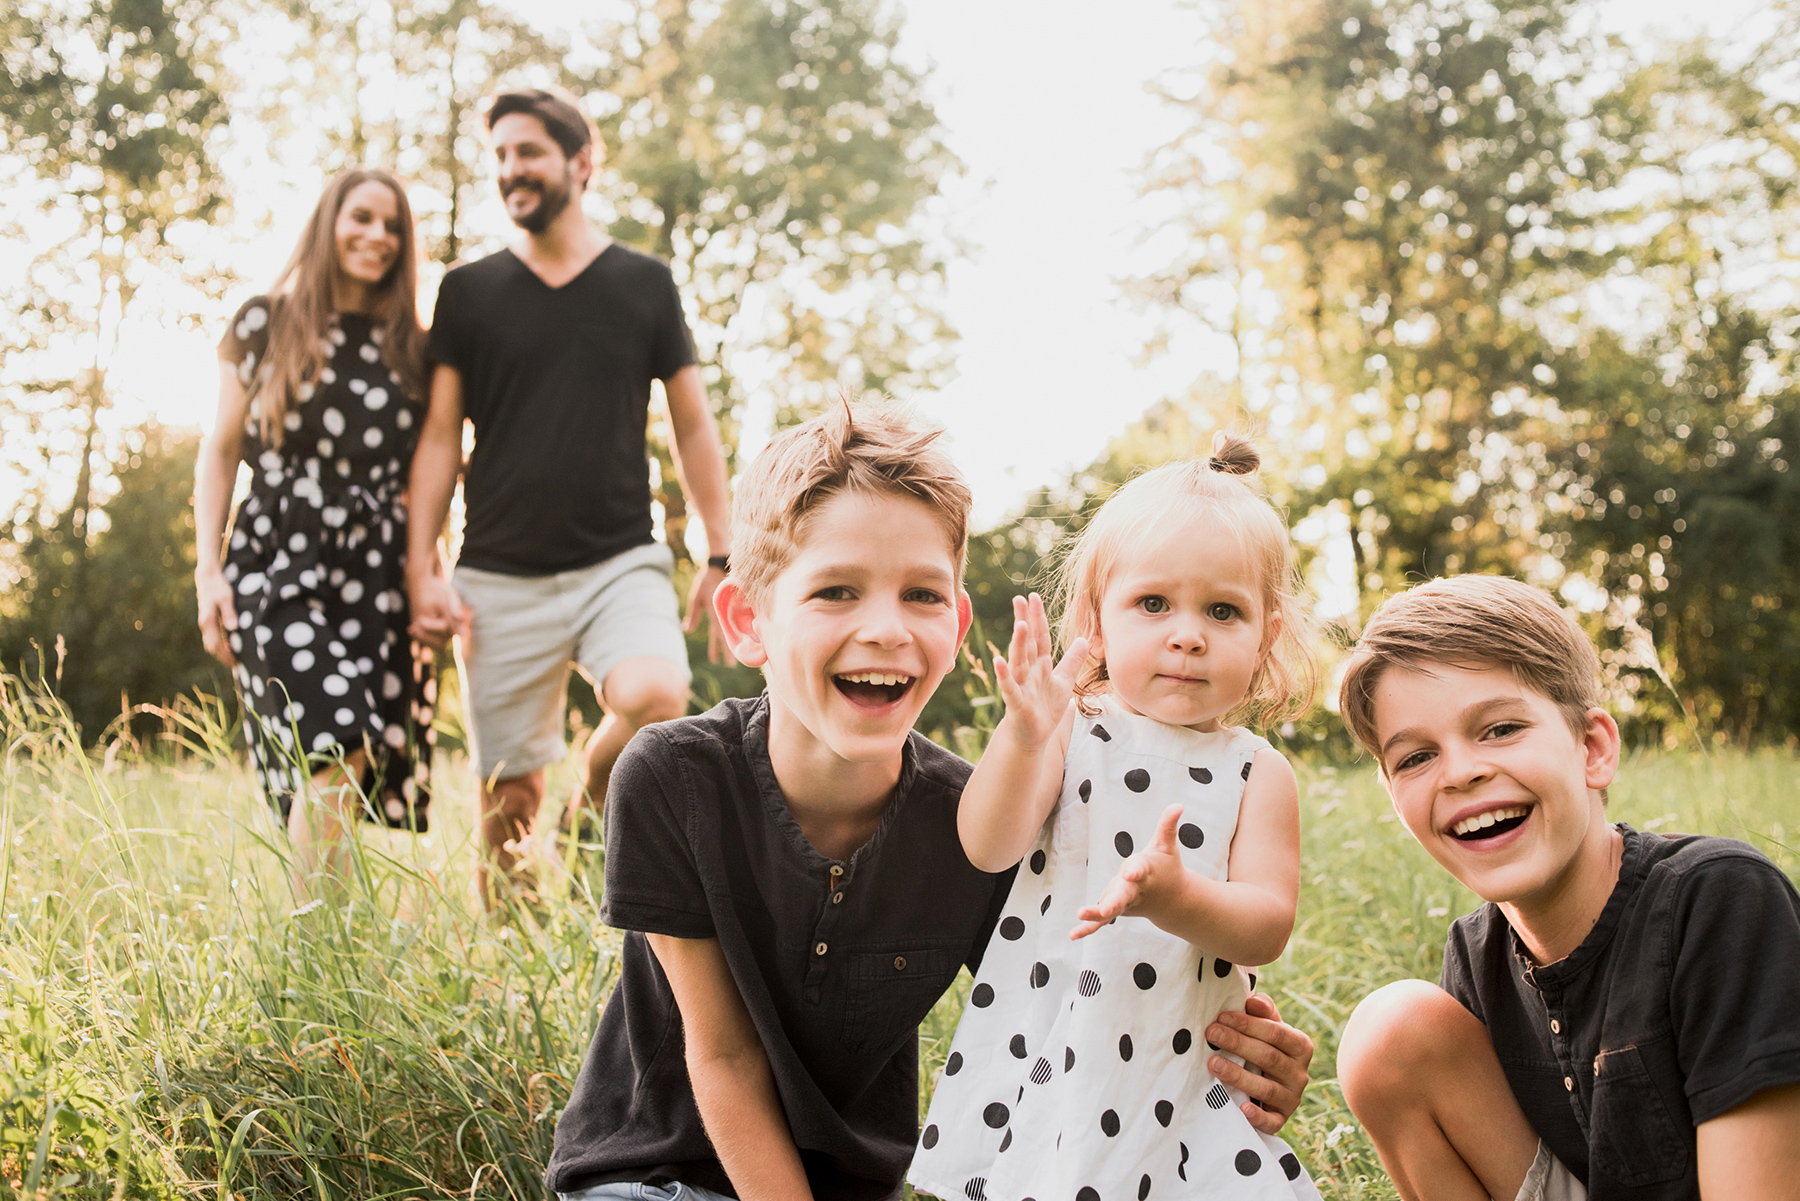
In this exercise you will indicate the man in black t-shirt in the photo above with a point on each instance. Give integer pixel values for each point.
(1622, 1019)
(549, 349)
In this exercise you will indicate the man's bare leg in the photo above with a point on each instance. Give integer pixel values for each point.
(634, 694)
(1420, 1074)
(508, 809)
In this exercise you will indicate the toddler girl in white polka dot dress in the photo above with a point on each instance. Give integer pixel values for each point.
(1159, 852)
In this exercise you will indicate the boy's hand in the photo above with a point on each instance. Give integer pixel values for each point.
(1276, 1057)
(1142, 882)
(1036, 694)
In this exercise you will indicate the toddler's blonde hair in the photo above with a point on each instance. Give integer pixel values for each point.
(1223, 487)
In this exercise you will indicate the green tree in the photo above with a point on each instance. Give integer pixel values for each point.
(110, 109)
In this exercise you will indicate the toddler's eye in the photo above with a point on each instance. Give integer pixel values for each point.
(1222, 612)
(1154, 604)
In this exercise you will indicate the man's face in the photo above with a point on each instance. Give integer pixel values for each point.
(858, 629)
(1488, 776)
(537, 182)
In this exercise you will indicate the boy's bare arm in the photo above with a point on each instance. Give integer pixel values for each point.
(1246, 919)
(733, 1086)
(1752, 1153)
(1016, 783)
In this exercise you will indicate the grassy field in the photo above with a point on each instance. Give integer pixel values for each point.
(174, 1024)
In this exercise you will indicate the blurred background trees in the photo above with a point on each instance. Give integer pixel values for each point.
(1504, 293)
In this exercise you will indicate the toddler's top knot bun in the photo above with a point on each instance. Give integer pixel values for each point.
(1234, 455)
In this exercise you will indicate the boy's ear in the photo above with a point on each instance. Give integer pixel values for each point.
(737, 621)
(1600, 745)
(965, 614)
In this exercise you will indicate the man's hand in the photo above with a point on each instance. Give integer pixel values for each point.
(1035, 690)
(1142, 881)
(438, 614)
(699, 608)
(218, 617)
(1276, 1058)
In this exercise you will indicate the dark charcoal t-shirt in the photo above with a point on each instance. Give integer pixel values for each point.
(1682, 1003)
(557, 382)
(837, 960)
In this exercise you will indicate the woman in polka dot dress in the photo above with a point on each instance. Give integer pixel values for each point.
(320, 393)
(1161, 853)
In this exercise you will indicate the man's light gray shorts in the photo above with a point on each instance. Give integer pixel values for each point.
(526, 630)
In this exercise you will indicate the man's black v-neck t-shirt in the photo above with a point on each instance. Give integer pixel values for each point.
(557, 384)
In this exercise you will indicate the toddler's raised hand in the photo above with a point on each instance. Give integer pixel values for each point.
(1036, 693)
(1140, 879)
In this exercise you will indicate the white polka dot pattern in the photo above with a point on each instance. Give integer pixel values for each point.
(1079, 1067)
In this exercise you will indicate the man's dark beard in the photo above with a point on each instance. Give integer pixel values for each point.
(552, 200)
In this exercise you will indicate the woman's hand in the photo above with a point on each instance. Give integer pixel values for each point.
(218, 616)
(1036, 693)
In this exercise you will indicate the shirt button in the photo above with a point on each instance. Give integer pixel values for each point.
(899, 963)
(836, 870)
(1555, 1026)
(819, 950)
(1568, 1081)
(836, 897)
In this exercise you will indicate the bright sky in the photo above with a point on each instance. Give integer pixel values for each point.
(1047, 107)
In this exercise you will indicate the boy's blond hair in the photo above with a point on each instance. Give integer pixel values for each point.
(881, 447)
(1473, 621)
(1220, 487)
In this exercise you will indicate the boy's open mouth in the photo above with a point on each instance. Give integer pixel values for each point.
(872, 688)
(1491, 824)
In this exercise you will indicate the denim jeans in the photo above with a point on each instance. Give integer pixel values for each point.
(628, 1191)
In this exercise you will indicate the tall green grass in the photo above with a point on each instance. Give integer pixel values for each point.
(174, 1022)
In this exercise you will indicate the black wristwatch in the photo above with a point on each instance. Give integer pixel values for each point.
(722, 562)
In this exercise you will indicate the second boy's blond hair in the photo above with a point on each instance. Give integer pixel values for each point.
(1473, 621)
(879, 447)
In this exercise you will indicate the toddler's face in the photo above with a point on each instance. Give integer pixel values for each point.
(1183, 624)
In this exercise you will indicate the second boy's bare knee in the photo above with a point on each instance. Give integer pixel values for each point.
(1401, 1035)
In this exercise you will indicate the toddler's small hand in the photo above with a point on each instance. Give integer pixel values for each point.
(1036, 693)
(1134, 889)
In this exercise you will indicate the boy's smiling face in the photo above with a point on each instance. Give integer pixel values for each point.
(856, 631)
(1488, 775)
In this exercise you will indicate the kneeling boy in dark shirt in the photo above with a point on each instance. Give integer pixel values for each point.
(1623, 1018)
(787, 868)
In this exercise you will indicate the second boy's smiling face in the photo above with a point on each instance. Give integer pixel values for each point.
(1492, 780)
(857, 630)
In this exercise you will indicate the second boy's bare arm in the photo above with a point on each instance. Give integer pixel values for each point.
(1752, 1152)
(729, 1070)
(700, 462)
(1244, 919)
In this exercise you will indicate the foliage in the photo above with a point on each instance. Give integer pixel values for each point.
(116, 623)
(173, 1024)
(1501, 290)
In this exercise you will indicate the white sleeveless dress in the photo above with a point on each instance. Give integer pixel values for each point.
(1078, 1071)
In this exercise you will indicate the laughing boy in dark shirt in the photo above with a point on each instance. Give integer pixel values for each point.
(787, 868)
(1623, 1018)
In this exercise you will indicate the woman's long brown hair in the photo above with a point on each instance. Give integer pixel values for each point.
(303, 306)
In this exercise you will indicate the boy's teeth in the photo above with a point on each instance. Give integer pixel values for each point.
(1482, 821)
(887, 679)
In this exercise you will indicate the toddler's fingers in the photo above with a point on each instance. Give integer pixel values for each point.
(1165, 830)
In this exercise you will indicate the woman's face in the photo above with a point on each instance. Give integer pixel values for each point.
(367, 232)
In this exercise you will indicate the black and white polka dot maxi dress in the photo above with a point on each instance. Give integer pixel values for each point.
(1078, 1071)
(316, 560)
